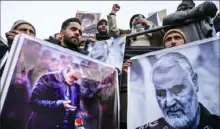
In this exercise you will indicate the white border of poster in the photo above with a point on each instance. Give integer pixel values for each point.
(13, 58)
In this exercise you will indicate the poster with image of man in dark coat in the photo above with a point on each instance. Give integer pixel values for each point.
(45, 86)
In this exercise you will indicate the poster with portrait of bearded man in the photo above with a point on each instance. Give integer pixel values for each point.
(175, 88)
(89, 23)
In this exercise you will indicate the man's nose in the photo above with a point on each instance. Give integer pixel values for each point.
(77, 33)
(173, 42)
(170, 101)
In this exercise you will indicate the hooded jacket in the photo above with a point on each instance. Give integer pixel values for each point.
(151, 39)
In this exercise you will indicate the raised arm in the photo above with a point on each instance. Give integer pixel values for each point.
(112, 24)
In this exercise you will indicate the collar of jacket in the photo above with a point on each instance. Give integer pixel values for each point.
(104, 36)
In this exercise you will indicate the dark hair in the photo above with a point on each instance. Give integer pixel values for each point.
(66, 22)
(134, 16)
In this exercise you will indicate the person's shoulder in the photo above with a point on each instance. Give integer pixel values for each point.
(157, 124)
(212, 121)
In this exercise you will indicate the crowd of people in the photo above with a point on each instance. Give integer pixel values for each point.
(70, 36)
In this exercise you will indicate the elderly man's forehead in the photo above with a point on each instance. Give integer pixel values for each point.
(169, 76)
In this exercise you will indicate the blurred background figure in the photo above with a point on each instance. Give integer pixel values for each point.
(56, 39)
(174, 37)
(20, 26)
(201, 29)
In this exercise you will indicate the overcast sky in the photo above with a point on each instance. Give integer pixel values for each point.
(47, 16)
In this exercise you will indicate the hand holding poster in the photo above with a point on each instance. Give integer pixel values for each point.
(46, 86)
(109, 51)
(176, 88)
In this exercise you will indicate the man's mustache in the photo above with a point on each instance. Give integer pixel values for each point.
(173, 109)
(74, 37)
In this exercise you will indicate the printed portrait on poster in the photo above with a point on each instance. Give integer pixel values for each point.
(48, 86)
(176, 88)
(89, 23)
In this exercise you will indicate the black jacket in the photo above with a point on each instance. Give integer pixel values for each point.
(207, 121)
(51, 39)
(216, 22)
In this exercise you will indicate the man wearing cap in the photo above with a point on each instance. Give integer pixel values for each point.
(102, 30)
(19, 26)
(12, 114)
(173, 37)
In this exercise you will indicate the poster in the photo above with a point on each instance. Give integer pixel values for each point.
(110, 51)
(89, 23)
(47, 86)
(176, 87)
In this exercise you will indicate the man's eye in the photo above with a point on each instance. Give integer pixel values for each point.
(177, 37)
(168, 39)
(73, 29)
(176, 89)
(161, 93)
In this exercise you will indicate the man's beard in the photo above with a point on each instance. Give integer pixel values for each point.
(187, 119)
(102, 31)
(70, 42)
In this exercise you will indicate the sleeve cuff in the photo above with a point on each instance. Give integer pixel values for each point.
(59, 103)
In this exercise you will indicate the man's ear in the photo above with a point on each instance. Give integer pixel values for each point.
(62, 33)
(195, 81)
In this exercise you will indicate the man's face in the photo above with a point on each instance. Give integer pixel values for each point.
(102, 28)
(26, 29)
(86, 23)
(72, 76)
(173, 39)
(72, 34)
(176, 96)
